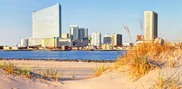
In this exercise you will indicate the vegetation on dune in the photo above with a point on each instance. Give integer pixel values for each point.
(100, 70)
(49, 73)
(10, 68)
(172, 82)
(146, 56)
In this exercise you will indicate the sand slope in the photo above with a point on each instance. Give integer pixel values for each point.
(109, 80)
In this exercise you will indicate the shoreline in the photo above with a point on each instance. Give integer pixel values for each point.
(64, 60)
(58, 50)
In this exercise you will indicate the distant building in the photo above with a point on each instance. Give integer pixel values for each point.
(106, 46)
(64, 42)
(74, 32)
(35, 41)
(82, 32)
(10, 48)
(47, 22)
(65, 36)
(86, 41)
(23, 43)
(50, 42)
(89, 40)
(96, 39)
(139, 38)
(116, 40)
(107, 39)
(150, 25)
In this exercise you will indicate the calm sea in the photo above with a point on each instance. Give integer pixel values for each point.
(93, 55)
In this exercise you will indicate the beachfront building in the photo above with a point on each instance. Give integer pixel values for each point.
(50, 42)
(150, 25)
(82, 32)
(96, 39)
(116, 40)
(34, 42)
(89, 40)
(139, 39)
(106, 46)
(64, 42)
(85, 41)
(107, 39)
(46, 23)
(74, 32)
(65, 36)
(23, 43)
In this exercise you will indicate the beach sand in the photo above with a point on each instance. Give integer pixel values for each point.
(70, 71)
(83, 76)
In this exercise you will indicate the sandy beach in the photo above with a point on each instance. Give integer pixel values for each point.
(70, 71)
(83, 76)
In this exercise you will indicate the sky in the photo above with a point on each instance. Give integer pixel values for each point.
(106, 16)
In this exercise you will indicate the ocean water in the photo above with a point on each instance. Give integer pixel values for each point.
(92, 55)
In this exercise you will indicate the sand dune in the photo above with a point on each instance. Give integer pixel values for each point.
(111, 79)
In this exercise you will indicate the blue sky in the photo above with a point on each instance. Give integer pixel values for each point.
(106, 16)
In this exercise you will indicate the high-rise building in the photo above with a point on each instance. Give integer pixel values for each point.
(116, 39)
(107, 39)
(96, 39)
(74, 32)
(82, 32)
(65, 36)
(150, 25)
(47, 22)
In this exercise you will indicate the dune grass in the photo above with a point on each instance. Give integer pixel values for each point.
(51, 73)
(139, 67)
(10, 68)
(100, 70)
(146, 56)
(172, 82)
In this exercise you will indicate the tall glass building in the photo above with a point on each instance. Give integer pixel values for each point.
(150, 25)
(47, 22)
(74, 32)
(82, 32)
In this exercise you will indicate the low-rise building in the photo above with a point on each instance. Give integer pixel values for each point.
(64, 42)
(65, 48)
(6, 48)
(1, 47)
(10, 48)
(106, 47)
(65, 36)
(23, 43)
(50, 42)
(34, 42)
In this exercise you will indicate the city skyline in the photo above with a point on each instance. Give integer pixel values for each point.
(105, 16)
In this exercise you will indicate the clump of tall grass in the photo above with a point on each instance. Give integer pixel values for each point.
(10, 68)
(51, 73)
(100, 70)
(172, 82)
(139, 67)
